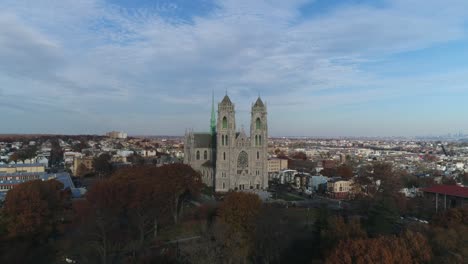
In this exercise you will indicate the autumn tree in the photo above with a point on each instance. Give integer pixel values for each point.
(345, 171)
(300, 155)
(14, 157)
(281, 155)
(408, 248)
(385, 250)
(82, 170)
(238, 214)
(329, 172)
(35, 208)
(181, 183)
(277, 151)
(418, 246)
(31, 219)
(122, 214)
(338, 229)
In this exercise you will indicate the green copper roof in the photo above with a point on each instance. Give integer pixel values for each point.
(213, 117)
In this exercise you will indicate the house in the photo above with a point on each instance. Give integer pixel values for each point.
(314, 183)
(86, 162)
(277, 165)
(9, 180)
(17, 168)
(338, 188)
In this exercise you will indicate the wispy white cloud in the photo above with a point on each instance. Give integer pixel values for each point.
(92, 56)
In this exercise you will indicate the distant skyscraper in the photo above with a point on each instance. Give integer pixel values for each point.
(116, 134)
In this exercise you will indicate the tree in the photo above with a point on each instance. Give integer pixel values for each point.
(80, 146)
(14, 157)
(329, 172)
(238, 213)
(122, 214)
(82, 170)
(383, 216)
(345, 171)
(299, 155)
(337, 230)
(449, 181)
(56, 153)
(385, 250)
(102, 165)
(35, 209)
(281, 155)
(273, 235)
(277, 151)
(465, 178)
(136, 159)
(418, 245)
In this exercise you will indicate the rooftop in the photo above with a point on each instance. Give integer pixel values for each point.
(226, 100)
(259, 103)
(21, 165)
(452, 190)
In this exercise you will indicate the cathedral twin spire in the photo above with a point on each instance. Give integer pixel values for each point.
(258, 105)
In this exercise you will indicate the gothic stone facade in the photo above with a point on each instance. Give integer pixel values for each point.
(228, 159)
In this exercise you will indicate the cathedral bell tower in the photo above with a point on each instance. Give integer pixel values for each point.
(259, 142)
(225, 139)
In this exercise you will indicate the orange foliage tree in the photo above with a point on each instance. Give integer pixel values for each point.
(409, 248)
(345, 171)
(122, 214)
(35, 209)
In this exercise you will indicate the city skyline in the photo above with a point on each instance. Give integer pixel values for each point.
(324, 68)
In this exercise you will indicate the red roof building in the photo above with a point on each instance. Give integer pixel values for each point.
(451, 190)
(447, 196)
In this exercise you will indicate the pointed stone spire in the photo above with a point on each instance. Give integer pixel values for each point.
(259, 103)
(226, 100)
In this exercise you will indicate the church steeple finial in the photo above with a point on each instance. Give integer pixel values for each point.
(213, 116)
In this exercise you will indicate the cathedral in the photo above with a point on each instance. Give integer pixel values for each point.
(228, 159)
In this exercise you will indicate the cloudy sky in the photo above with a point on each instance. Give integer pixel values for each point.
(324, 67)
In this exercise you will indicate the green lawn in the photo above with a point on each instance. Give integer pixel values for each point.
(182, 230)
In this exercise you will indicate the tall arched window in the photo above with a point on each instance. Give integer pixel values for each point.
(258, 155)
(225, 124)
(258, 123)
(226, 141)
(224, 155)
(222, 140)
(256, 140)
(259, 140)
(198, 155)
(205, 155)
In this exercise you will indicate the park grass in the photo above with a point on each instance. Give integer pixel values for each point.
(184, 229)
(289, 197)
